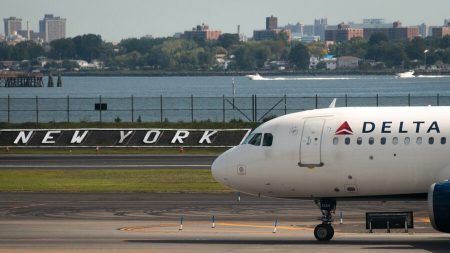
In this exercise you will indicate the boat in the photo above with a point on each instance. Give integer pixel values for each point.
(255, 77)
(407, 74)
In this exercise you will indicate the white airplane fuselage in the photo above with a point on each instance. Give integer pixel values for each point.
(343, 153)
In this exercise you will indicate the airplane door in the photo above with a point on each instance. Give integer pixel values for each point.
(310, 146)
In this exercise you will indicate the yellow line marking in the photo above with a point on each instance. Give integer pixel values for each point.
(223, 224)
(260, 226)
(139, 228)
(423, 219)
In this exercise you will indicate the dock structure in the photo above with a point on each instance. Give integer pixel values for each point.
(21, 79)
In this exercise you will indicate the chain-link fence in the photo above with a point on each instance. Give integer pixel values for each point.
(186, 109)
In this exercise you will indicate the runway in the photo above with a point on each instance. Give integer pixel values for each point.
(42, 222)
(99, 161)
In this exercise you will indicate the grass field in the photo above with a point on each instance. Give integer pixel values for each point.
(123, 180)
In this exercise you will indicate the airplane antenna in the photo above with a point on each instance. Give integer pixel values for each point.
(333, 103)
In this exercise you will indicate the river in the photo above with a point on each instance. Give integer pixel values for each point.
(211, 98)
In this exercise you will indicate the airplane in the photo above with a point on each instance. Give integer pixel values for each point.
(352, 153)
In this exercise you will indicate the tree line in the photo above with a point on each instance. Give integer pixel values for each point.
(171, 54)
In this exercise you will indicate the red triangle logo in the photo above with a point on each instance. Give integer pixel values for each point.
(344, 129)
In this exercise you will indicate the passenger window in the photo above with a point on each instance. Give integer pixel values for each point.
(335, 140)
(431, 140)
(371, 140)
(347, 141)
(419, 140)
(395, 140)
(359, 141)
(256, 140)
(268, 139)
(443, 140)
(383, 140)
(407, 140)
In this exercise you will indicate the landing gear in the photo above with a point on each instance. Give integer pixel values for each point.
(324, 231)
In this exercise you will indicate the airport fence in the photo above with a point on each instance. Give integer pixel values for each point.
(185, 109)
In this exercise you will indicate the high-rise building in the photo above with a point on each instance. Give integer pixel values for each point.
(201, 32)
(320, 25)
(272, 31)
(370, 23)
(373, 21)
(296, 29)
(52, 28)
(12, 24)
(396, 32)
(271, 23)
(440, 32)
(423, 30)
(343, 33)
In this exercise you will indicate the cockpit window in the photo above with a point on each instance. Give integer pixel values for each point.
(255, 140)
(267, 140)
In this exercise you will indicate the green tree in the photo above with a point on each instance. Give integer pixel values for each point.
(89, 46)
(244, 59)
(26, 50)
(299, 56)
(227, 40)
(377, 38)
(62, 49)
(415, 49)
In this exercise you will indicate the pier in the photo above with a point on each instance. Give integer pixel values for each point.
(21, 79)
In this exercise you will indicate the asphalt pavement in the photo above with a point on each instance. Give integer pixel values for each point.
(140, 222)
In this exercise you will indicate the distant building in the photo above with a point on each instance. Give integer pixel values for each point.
(271, 23)
(12, 24)
(447, 22)
(320, 25)
(201, 32)
(52, 28)
(271, 32)
(373, 21)
(423, 30)
(440, 32)
(296, 29)
(259, 35)
(308, 30)
(343, 33)
(396, 32)
(264, 35)
(306, 39)
(15, 38)
(178, 35)
(347, 62)
(330, 62)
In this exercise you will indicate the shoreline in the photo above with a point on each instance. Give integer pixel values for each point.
(243, 73)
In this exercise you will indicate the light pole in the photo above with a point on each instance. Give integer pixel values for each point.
(425, 56)
(233, 84)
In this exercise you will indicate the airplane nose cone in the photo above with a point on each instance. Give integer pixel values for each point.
(218, 169)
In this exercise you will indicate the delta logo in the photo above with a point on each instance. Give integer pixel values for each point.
(344, 129)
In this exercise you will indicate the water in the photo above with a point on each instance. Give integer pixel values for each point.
(201, 98)
(119, 87)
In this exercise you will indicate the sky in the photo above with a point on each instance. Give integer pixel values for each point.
(118, 19)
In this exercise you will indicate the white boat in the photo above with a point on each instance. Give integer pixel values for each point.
(407, 74)
(255, 77)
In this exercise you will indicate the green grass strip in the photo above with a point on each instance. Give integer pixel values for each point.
(109, 180)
